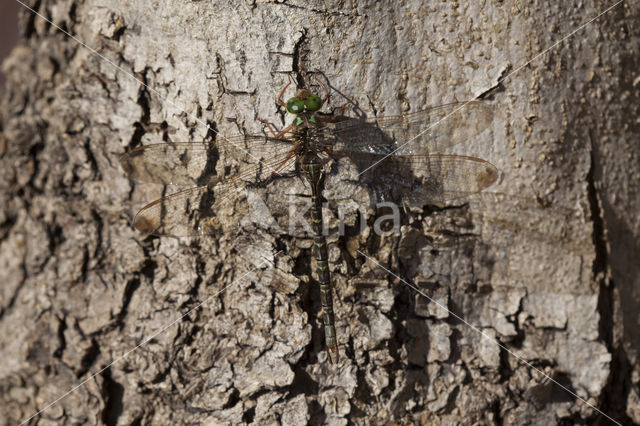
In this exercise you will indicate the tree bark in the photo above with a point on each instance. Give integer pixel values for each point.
(546, 261)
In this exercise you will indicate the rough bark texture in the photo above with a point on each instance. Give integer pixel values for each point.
(550, 269)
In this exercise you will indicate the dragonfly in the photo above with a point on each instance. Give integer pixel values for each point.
(398, 158)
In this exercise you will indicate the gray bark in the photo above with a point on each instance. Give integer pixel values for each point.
(546, 261)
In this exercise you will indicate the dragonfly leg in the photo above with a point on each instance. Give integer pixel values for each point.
(285, 130)
(344, 108)
(280, 101)
(270, 126)
(324, 87)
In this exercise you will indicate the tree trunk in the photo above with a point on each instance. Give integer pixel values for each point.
(545, 261)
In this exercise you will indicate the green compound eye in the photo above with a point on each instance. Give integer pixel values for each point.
(313, 103)
(295, 106)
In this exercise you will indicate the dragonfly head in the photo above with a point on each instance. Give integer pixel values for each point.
(304, 101)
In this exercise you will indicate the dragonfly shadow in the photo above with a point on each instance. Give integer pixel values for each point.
(475, 259)
(505, 233)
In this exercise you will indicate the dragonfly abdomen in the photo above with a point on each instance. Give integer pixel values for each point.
(324, 280)
(313, 169)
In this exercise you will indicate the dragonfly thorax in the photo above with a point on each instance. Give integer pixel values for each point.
(305, 133)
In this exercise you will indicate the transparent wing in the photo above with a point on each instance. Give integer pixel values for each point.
(215, 208)
(424, 179)
(424, 132)
(224, 207)
(195, 163)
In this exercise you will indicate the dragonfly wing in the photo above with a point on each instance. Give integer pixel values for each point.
(216, 208)
(419, 133)
(197, 163)
(185, 213)
(171, 163)
(424, 179)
